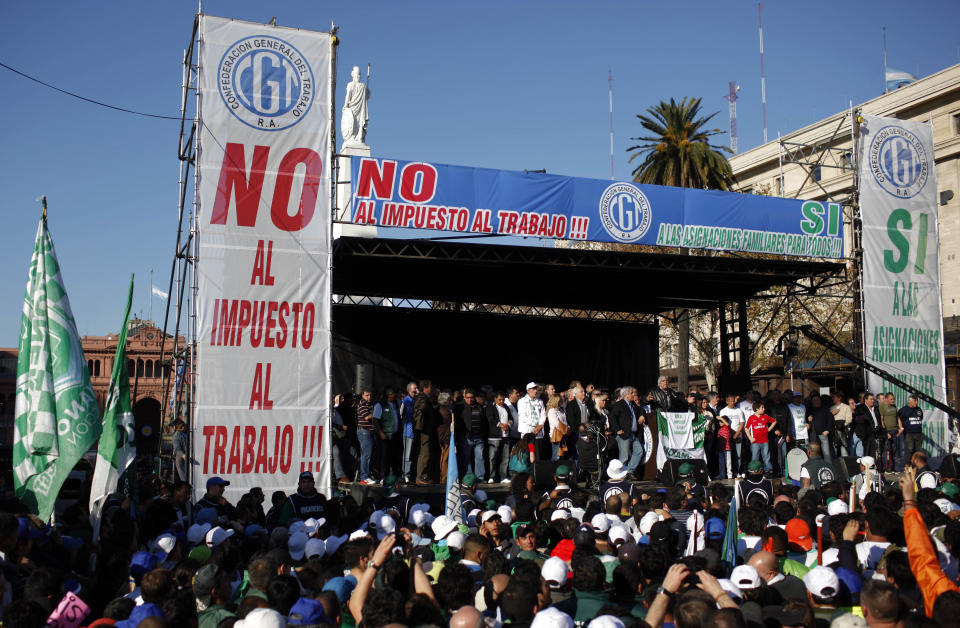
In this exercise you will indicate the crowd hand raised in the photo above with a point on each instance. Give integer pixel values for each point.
(850, 530)
(908, 483)
(674, 578)
(709, 584)
(382, 553)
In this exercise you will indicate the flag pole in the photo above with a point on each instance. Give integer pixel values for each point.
(43, 202)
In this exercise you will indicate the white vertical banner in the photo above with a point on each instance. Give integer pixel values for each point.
(903, 330)
(263, 278)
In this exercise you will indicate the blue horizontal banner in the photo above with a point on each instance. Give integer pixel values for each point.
(398, 194)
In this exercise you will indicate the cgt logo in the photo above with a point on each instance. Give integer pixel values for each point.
(266, 83)
(625, 212)
(898, 162)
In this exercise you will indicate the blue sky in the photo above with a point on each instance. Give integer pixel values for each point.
(508, 85)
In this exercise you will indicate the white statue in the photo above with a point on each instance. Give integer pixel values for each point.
(354, 119)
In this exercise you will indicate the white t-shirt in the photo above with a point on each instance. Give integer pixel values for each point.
(734, 416)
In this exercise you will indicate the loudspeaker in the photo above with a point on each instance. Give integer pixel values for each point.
(846, 467)
(544, 470)
(950, 467)
(670, 474)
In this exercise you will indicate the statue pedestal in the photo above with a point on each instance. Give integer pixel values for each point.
(344, 209)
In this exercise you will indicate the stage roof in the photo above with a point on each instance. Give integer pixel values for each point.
(614, 281)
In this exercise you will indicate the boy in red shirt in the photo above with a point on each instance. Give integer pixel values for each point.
(756, 429)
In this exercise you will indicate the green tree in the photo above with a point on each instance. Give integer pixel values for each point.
(678, 152)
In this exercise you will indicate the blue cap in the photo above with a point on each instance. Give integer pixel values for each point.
(216, 480)
(849, 580)
(72, 543)
(27, 531)
(306, 612)
(341, 587)
(715, 528)
(254, 530)
(141, 563)
(207, 515)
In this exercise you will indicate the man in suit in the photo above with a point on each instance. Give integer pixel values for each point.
(425, 426)
(626, 421)
(866, 421)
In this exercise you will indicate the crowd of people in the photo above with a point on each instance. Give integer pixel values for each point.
(836, 548)
(376, 436)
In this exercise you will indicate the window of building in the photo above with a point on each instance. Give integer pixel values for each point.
(956, 123)
(139, 367)
(780, 186)
(149, 368)
(96, 368)
(816, 173)
(90, 367)
(131, 368)
(847, 160)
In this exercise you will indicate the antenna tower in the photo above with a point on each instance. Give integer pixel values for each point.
(732, 97)
(610, 81)
(763, 78)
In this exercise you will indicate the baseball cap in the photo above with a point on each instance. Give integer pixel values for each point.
(745, 577)
(456, 539)
(200, 553)
(417, 518)
(836, 506)
(715, 528)
(755, 465)
(848, 620)
(254, 530)
(531, 385)
(297, 526)
(314, 548)
(866, 461)
(469, 480)
(618, 534)
(647, 521)
(555, 571)
(386, 526)
(306, 475)
(798, 533)
(306, 612)
(197, 532)
(165, 544)
(207, 515)
(660, 532)
(600, 523)
(629, 553)
(945, 505)
(333, 543)
(487, 515)
(950, 490)
(262, 618)
(141, 563)
(606, 621)
(215, 480)
(685, 469)
(313, 525)
(822, 582)
(506, 514)
(550, 617)
(563, 472)
(297, 545)
(584, 536)
(560, 513)
(732, 589)
(472, 517)
(216, 536)
(205, 580)
(442, 526)
(341, 587)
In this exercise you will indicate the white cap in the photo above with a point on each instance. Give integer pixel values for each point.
(555, 571)
(600, 523)
(165, 543)
(531, 385)
(297, 545)
(618, 533)
(386, 526)
(442, 526)
(848, 620)
(837, 507)
(550, 617)
(822, 581)
(560, 513)
(197, 532)
(506, 515)
(946, 506)
(375, 517)
(745, 577)
(606, 621)
(216, 536)
(831, 555)
(616, 470)
(358, 534)
(314, 548)
(730, 588)
(456, 539)
(866, 461)
(417, 518)
(262, 618)
(647, 521)
(313, 525)
(577, 513)
(487, 515)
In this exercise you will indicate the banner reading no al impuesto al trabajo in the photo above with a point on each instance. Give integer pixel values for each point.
(391, 193)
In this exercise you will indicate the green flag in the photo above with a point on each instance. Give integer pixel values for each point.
(57, 419)
(116, 450)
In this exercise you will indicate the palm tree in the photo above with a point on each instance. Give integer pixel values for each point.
(678, 152)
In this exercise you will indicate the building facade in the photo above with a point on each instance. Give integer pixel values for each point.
(817, 162)
(143, 366)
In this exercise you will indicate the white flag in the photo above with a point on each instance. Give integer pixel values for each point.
(160, 293)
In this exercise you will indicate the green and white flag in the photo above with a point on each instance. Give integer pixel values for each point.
(57, 419)
(116, 450)
(680, 436)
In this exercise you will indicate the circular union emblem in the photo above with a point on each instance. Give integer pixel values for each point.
(898, 162)
(265, 82)
(625, 212)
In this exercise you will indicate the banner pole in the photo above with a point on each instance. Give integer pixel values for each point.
(327, 483)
